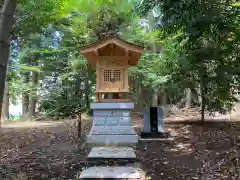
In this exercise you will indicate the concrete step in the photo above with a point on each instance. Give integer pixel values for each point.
(111, 162)
(112, 153)
(113, 172)
(121, 140)
(108, 156)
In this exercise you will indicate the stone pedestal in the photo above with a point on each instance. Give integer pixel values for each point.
(112, 124)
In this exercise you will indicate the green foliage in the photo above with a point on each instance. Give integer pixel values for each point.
(85, 22)
(196, 43)
(207, 52)
(61, 102)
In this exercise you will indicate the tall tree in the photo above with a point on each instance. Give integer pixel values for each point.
(5, 103)
(34, 87)
(6, 23)
(33, 17)
(209, 59)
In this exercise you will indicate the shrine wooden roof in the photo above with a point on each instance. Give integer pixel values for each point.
(112, 46)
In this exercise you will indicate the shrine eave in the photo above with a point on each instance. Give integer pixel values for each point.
(111, 40)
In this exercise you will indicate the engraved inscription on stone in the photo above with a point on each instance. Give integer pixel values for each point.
(121, 113)
(103, 113)
(117, 113)
(99, 121)
(112, 121)
(125, 121)
(126, 113)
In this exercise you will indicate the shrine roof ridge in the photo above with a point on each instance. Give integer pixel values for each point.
(111, 39)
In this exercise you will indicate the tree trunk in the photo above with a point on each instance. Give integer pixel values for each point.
(188, 93)
(198, 89)
(86, 86)
(5, 106)
(203, 108)
(163, 103)
(139, 96)
(33, 96)
(6, 22)
(32, 107)
(153, 48)
(203, 103)
(25, 104)
(163, 100)
(77, 90)
(79, 124)
(78, 82)
(25, 95)
(155, 99)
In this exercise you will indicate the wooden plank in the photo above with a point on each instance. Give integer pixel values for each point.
(112, 91)
(98, 75)
(110, 58)
(125, 80)
(97, 97)
(115, 67)
(113, 62)
(114, 100)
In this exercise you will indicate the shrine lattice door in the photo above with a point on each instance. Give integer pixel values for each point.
(111, 80)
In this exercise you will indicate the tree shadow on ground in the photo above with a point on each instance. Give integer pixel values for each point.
(197, 151)
(42, 152)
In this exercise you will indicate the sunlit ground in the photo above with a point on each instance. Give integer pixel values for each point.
(51, 150)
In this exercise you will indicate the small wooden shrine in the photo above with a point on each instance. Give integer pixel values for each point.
(111, 57)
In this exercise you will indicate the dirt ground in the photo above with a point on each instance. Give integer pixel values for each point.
(52, 151)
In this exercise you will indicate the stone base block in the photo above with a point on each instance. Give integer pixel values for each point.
(154, 135)
(112, 153)
(114, 172)
(112, 130)
(94, 139)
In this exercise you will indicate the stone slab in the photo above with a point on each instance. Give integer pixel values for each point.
(103, 112)
(112, 139)
(114, 172)
(112, 112)
(112, 153)
(114, 120)
(113, 105)
(110, 162)
(112, 130)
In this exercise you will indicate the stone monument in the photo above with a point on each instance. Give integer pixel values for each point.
(153, 123)
(112, 112)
